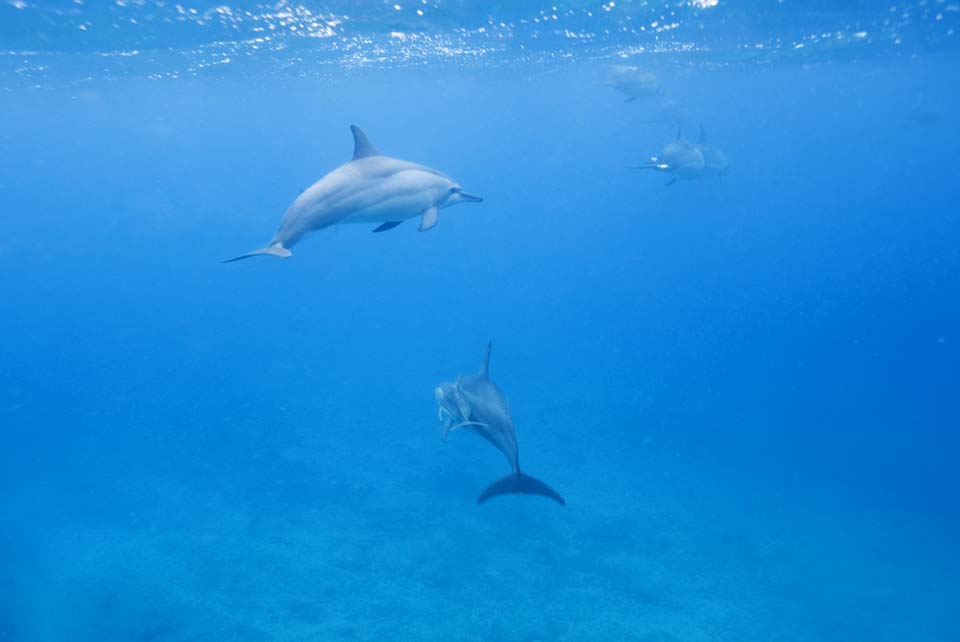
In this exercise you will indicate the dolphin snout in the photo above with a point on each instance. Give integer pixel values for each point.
(470, 198)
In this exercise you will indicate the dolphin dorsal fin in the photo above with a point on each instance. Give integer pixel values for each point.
(485, 366)
(362, 147)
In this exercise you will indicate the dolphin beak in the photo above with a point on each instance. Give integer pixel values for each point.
(470, 198)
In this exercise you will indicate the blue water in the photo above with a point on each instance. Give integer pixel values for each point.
(746, 386)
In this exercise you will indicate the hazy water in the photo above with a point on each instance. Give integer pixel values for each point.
(746, 386)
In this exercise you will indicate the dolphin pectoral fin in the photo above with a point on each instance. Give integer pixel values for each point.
(466, 424)
(389, 225)
(520, 484)
(450, 427)
(430, 217)
(671, 181)
(276, 249)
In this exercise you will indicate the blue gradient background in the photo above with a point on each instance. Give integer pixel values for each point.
(746, 387)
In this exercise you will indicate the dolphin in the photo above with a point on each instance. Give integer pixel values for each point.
(369, 188)
(475, 403)
(634, 82)
(680, 159)
(668, 110)
(714, 161)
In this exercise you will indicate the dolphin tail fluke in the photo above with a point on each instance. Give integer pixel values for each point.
(519, 484)
(276, 249)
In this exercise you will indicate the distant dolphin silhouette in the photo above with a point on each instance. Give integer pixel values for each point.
(680, 159)
(475, 403)
(714, 160)
(370, 188)
(634, 82)
(668, 110)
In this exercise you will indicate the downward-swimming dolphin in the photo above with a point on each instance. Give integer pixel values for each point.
(475, 403)
(370, 188)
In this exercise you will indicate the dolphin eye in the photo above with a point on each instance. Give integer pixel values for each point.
(454, 190)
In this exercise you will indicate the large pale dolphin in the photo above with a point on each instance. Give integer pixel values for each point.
(475, 403)
(370, 188)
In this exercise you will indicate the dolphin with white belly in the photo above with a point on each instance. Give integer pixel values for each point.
(370, 188)
(475, 403)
